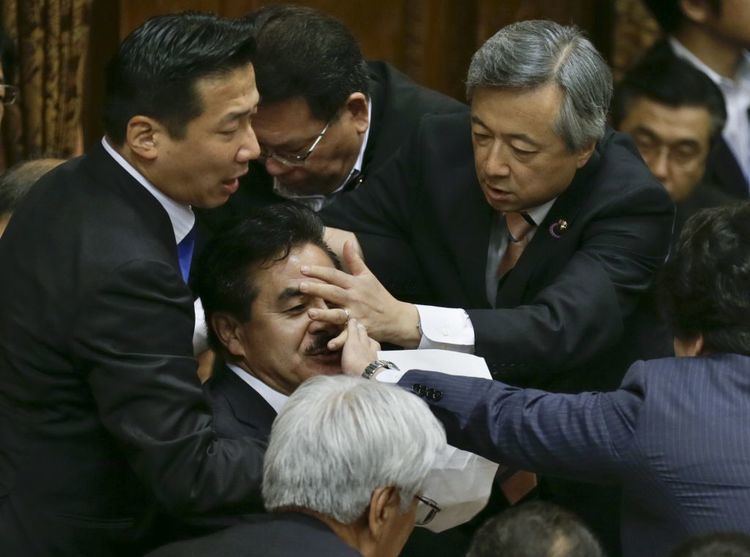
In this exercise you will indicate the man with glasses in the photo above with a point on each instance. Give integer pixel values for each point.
(675, 114)
(327, 118)
(330, 493)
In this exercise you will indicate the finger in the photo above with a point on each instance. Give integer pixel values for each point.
(336, 344)
(352, 259)
(336, 316)
(328, 292)
(327, 274)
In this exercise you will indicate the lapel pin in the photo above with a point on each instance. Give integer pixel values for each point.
(557, 229)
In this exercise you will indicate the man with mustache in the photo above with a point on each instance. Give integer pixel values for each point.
(248, 279)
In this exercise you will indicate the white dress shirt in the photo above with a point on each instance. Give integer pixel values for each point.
(273, 397)
(736, 93)
(451, 328)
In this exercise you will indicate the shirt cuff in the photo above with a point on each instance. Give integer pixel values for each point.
(200, 332)
(446, 329)
(390, 375)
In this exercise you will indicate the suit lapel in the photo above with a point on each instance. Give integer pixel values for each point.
(247, 405)
(511, 291)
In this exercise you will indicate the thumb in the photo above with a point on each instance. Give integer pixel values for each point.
(352, 259)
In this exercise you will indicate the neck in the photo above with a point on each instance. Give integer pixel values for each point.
(269, 380)
(719, 54)
(354, 535)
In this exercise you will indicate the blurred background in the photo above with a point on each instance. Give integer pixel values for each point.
(62, 48)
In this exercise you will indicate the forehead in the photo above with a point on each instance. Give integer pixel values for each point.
(272, 280)
(282, 121)
(518, 111)
(225, 95)
(668, 123)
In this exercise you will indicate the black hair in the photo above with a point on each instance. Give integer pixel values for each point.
(16, 182)
(703, 287)
(224, 272)
(535, 529)
(155, 71)
(722, 544)
(663, 77)
(668, 13)
(305, 53)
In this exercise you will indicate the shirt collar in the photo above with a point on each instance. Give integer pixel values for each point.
(318, 201)
(743, 71)
(539, 213)
(181, 216)
(274, 398)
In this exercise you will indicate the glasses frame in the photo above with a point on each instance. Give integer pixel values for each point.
(10, 94)
(295, 160)
(431, 514)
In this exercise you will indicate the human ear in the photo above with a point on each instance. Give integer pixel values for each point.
(356, 107)
(230, 333)
(141, 136)
(697, 11)
(585, 154)
(384, 503)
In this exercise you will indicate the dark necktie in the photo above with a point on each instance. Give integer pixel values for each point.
(185, 253)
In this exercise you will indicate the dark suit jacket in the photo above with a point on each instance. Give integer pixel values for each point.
(397, 106)
(571, 315)
(673, 435)
(275, 535)
(102, 417)
(238, 409)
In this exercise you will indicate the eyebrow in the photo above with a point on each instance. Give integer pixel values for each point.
(520, 136)
(289, 293)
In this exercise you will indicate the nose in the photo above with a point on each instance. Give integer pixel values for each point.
(496, 161)
(249, 148)
(659, 164)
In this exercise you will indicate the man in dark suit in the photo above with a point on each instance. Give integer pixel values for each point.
(330, 493)
(675, 115)
(672, 434)
(544, 225)
(102, 419)
(327, 118)
(714, 37)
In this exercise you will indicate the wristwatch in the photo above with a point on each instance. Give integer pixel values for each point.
(375, 366)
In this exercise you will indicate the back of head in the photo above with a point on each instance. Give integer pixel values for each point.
(730, 544)
(663, 77)
(156, 68)
(534, 529)
(223, 276)
(305, 53)
(18, 179)
(531, 54)
(704, 285)
(339, 438)
(668, 13)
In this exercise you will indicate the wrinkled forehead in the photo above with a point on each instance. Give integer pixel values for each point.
(281, 276)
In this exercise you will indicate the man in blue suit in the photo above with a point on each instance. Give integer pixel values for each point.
(673, 434)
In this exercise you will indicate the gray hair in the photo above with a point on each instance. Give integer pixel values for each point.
(338, 438)
(530, 54)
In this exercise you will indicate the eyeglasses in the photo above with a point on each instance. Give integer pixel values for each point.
(290, 159)
(8, 94)
(427, 509)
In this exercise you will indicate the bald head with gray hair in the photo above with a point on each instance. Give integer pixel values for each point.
(531, 54)
(339, 438)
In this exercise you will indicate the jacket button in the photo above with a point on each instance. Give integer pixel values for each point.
(437, 395)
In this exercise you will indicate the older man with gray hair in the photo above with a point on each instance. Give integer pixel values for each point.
(342, 475)
(529, 231)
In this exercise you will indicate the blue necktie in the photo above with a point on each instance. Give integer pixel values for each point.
(185, 253)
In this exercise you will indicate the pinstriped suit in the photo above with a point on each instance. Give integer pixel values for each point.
(674, 435)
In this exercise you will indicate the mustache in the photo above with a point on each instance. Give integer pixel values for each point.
(320, 345)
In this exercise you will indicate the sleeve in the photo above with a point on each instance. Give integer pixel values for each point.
(133, 338)
(583, 310)
(587, 436)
